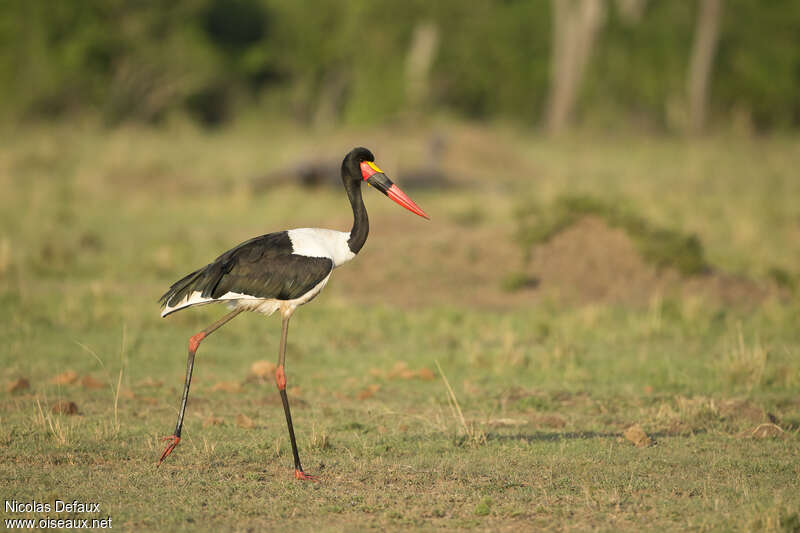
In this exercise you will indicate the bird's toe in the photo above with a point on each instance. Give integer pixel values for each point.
(299, 474)
(174, 440)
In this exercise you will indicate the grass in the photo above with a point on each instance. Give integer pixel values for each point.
(423, 394)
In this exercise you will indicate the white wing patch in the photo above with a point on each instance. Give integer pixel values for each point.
(196, 298)
(317, 242)
(266, 306)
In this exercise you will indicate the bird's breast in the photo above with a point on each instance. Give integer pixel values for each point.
(318, 242)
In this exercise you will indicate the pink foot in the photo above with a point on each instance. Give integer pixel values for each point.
(171, 446)
(299, 474)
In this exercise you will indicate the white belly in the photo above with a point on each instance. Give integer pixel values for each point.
(268, 306)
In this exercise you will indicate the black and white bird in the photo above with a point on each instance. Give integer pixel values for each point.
(279, 272)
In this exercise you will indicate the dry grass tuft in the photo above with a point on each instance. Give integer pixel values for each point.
(115, 391)
(474, 436)
(58, 430)
(745, 363)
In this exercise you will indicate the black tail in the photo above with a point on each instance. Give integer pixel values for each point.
(181, 288)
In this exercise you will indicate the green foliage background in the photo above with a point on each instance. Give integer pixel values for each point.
(217, 60)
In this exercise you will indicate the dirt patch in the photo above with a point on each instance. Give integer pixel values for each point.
(412, 266)
(636, 435)
(742, 410)
(592, 262)
(64, 407)
(589, 262)
(552, 421)
(18, 385)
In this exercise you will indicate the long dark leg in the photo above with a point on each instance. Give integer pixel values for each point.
(280, 381)
(194, 343)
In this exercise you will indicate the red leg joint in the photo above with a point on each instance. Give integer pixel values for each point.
(280, 378)
(194, 341)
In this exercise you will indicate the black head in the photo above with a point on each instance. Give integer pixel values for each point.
(351, 166)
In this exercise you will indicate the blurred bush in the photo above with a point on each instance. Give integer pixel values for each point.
(339, 61)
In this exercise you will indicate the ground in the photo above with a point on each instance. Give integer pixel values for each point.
(554, 382)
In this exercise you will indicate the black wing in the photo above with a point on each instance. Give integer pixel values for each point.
(263, 267)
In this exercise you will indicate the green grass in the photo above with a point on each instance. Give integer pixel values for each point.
(95, 225)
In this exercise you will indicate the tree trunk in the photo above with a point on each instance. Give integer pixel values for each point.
(575, 27)
(705, 44)
(421, 54)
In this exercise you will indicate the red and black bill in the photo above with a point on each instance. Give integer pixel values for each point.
(375, 177)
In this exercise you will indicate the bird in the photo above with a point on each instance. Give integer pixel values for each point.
(279, 272)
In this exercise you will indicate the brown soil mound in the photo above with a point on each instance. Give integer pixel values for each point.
(589, 262)
(592, 262)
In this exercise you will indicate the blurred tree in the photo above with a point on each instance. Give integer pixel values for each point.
(575, 27)
(702, 60)
(757, 72)
(631, 10)
(638, 71)
(492, 62)
(237, 30)
(160, 58)
(420, 57)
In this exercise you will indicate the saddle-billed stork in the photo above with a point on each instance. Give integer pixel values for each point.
(279, 271)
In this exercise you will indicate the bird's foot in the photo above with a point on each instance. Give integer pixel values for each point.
(299, 474)
(174, 440)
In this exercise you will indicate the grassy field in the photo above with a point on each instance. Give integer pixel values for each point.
(547, 377)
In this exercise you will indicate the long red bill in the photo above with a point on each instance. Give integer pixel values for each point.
(400, 197)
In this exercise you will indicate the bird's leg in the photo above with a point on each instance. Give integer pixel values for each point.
(194, 343)
(280, 381)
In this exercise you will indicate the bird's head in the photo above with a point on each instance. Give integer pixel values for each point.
(359, 165)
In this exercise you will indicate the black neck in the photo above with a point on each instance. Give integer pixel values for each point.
(358, 235)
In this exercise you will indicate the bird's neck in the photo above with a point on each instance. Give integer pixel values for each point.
(360, 230)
